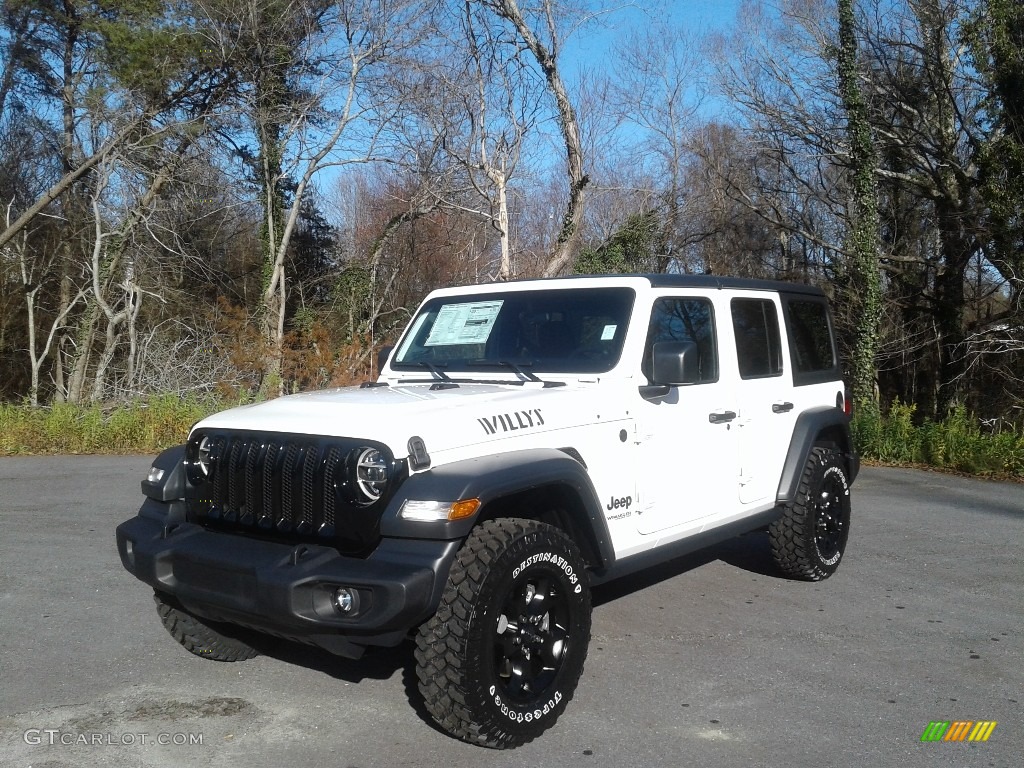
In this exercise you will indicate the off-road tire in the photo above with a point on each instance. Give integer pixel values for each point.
(198, 636)
(809, 538)
(500, 660)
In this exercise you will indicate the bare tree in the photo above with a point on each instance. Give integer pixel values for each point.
(307, 64)
(656, 90)
(93, 76)
(541, 34)
(32, 267)
(500, 106)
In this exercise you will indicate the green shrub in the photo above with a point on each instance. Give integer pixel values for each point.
(957, 442)
(867, 431)
(143, 426)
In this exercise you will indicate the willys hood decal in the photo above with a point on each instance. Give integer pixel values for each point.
(444, 418)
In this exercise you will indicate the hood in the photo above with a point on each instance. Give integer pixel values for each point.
(444, 418)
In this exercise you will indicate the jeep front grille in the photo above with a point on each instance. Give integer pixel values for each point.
(286, 487)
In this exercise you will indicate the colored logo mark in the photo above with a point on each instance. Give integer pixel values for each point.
(959, 730)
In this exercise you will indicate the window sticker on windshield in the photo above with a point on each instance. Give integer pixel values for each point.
(468, 323)
(608, 333)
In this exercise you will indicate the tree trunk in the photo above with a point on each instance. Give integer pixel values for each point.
(863, 227)
(950, 300)
(82, 355)
(568, 241)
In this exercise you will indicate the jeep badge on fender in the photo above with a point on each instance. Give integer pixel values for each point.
(524, 442)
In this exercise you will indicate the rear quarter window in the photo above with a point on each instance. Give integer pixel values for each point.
(812, 344)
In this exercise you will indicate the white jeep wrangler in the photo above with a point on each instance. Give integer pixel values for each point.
(524, 442)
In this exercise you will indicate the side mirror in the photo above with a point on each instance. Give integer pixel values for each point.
(675, 363)
(382, 356)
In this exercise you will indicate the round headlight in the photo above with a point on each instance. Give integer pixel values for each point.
(203, 455)
(371, 474)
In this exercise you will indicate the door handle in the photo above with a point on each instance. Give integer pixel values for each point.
(721, 417)
(782, 407)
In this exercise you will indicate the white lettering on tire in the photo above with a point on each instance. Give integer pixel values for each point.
(846, 492)
(842, 478)
(526, 717)
(556, 560)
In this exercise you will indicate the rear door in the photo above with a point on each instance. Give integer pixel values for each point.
(817, 377)
(766, 411)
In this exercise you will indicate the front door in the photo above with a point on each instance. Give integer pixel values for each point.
(687, 460)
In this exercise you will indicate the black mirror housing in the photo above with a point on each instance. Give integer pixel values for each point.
(676, 363)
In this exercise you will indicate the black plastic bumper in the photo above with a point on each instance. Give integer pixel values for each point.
(287, 590)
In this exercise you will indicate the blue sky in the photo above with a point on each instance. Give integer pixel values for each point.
(693, 16)
(591, 47)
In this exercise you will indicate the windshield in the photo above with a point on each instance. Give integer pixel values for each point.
(570, 330)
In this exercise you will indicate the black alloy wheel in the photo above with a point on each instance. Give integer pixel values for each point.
(531, 637)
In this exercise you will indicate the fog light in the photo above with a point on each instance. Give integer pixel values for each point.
(346, 601)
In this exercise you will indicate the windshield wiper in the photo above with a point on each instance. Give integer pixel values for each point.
(528, 375)
(519, 369)
(434, 370)
(445, 381)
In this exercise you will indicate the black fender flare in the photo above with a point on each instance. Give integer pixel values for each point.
(810, 426)
(490, 478)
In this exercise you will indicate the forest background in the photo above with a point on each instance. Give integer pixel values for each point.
(205, 202)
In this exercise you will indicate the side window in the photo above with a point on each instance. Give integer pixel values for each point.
(756, 325)
(810, 340)
(684, 320)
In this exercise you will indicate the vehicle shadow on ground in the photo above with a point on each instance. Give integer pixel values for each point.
(376, 664)
(749, 552)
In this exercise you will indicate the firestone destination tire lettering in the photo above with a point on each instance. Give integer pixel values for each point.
(500, 660)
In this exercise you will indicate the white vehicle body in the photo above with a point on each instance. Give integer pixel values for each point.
(672, 475)
(522, 442)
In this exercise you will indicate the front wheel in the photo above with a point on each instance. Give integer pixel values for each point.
(501, 658)
(809, 539)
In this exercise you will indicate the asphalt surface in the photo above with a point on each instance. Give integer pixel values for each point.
(712, 660)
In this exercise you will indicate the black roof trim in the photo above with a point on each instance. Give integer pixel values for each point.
(698, 281)
(720, 282)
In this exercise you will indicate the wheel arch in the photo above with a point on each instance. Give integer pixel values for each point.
(557, 504)
(816, 426)
(543, 484)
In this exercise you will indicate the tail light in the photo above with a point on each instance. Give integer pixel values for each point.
(844, 402)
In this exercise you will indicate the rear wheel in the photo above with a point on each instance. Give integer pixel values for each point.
(217, 642)
(501, 658)
(809, 539)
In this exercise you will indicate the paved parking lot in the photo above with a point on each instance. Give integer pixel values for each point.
(712, 660)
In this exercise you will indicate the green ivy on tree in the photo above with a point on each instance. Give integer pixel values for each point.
(633, 248)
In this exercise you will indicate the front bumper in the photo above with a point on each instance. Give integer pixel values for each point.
(286, 589)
